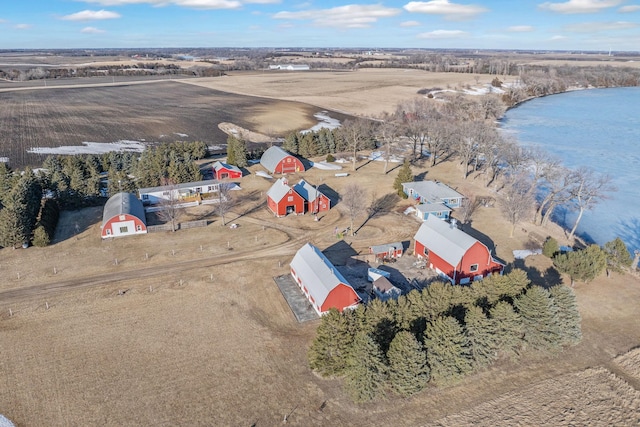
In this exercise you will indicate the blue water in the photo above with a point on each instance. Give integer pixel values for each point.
(599, 129)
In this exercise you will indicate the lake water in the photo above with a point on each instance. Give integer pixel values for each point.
(600, 129)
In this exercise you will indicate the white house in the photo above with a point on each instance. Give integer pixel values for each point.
(156, 195)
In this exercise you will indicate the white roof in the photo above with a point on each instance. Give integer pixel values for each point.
(316, 272)
(185, 185)
(378, 249)
(444, 240)
(432, 190)
(279, 189)
(272, 157)
(306, 190)
(220, 165)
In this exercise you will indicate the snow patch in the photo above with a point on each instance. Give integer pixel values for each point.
(325, 166)
(182, 135)
(264, 174)
(409, 210)
(91, 148)
(5, 422)
(523, 253)
(324, 122)
(379, 156)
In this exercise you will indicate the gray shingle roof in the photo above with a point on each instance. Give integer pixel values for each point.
(123, 203)
(432, 207)
(444, 240)
(272, 157)
(318, 274)
(432, 190)
(378, 249)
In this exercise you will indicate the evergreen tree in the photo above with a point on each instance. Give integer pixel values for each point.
(41, 237)
(539, 319)
(482, 342)
(380, 323)
(291, 143)
(550, 248)
(232, 142)
(240, 155)
(437, 299)
(568, 315)
(448, 353)
(404, 175)
(408, 370)
(506, 328)
(366, 372)
(7, 181)
(618, 256)
(584, 265)
(328, 352)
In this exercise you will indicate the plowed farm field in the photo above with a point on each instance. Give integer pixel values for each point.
(163, 111)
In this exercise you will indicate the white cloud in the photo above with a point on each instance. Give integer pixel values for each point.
(451, 11)
(629, 9)
(91, 30)
(22, 26)
(557, 38)
(191, 4)
(443, 34)
(349, 16)
(91, 15)
(580, 6)
(592, 27)
(410, 24)
(520, 29)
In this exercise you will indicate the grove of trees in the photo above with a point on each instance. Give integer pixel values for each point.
(441, 334)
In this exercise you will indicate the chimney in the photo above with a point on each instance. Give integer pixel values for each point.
(453, 223)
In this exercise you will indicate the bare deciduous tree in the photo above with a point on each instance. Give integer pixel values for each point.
(225, 200)
(171, 209)
(355, 134)
(515, 200)
(590, 189)
(353, 201)
(467, 208)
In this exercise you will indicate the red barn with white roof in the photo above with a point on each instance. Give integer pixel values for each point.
(283, 200)
(453, 253)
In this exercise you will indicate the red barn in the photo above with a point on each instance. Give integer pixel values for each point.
(321, 282)
(453, 253)
(123, 215)
(315, 200)
(284, 200)
(223, 171)
(276, 160)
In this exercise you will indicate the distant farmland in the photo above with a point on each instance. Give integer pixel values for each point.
(157, 112)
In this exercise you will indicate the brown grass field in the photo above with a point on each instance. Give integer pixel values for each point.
(202, 336)
(189, 328)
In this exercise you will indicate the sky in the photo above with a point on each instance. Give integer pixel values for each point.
(578, 25)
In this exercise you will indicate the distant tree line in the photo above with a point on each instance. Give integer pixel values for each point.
(441, 334)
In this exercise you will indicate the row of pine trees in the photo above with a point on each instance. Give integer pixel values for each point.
(441, 334)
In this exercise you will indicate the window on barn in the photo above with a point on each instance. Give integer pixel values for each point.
(138, 227)
(473, 267)
(290, 199)
(426, 251)
(124, 229)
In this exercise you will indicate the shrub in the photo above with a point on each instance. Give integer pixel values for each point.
(330, 158)
(550, 248)
(41, 237)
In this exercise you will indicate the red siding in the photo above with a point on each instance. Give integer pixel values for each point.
(230, 173)
(280, 207)
(321, 204)
(289, 164)
(340, 297)
(107, 229)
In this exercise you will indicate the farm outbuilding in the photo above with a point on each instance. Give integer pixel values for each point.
(184, 191)
(315, 201)
(452, 253)
(388, 251)
(276, 160)
(433, 198)
(321, 282)
(123, 215)
(283, 200)
(223, 171)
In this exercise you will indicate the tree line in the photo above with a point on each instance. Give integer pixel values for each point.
(441, 334)
(30, 202)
